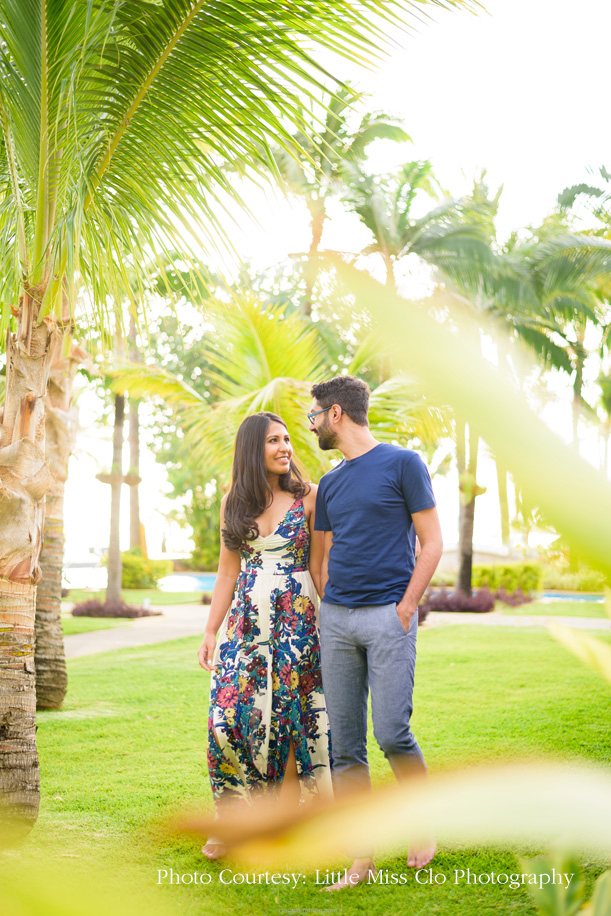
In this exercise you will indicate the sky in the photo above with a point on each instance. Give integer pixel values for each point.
(517, 90)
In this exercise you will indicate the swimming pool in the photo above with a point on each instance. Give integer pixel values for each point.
(188, 582)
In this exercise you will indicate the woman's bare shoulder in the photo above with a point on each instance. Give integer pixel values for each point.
(310, 496)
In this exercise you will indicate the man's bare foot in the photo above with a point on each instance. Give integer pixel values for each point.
(422, 854)
(214, 850)
(359, 873)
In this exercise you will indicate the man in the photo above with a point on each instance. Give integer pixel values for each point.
(371, 507)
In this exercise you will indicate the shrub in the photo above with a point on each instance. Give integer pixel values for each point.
(515, 599)
(583, 580)
(95, 608)
(423, 613)
(508, 577)
(140, 572)
(480, 602)
(207, 598)
(204, 560)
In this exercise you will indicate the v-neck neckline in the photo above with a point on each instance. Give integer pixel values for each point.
(265, 536)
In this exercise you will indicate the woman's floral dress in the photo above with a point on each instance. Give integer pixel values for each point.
(266, 687)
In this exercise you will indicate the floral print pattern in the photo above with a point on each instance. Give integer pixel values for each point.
(266, 689)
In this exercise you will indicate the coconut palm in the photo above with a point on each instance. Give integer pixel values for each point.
(61, 424)
(545, 290)
(115, 121)
(553, 288)
(445, 237)
(264, 358)
(312, 167)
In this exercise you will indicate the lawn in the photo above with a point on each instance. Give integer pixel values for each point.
(558, 609)
(136, 596)
(129, 747)
(72, 625)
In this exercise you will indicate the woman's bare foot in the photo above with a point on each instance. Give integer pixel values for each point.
(358, 873)
(422, 854)
(214, 850)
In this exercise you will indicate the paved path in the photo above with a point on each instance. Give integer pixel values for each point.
(189, 620)
(178, 620)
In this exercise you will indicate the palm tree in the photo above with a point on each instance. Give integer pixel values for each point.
(264, 358)
(312, 167)
(545, 290)
(115, 121)
(60, 436)
(553, 288)
(445, 237)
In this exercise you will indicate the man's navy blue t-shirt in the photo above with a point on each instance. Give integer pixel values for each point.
(368, 503)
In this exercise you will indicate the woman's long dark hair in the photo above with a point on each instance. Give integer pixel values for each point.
(250, 492)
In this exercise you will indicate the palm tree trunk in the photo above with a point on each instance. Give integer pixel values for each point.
(465, 569)
(135, 539)
(317, 223)
(501, 476)
(61, 421)
(577, 388)
(470, 491)
(461, 464)
(113, 589)
(24, 481)
(577, 400)
(390, 282)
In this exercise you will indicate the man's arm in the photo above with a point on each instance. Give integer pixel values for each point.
(428, 531)
(324, 569)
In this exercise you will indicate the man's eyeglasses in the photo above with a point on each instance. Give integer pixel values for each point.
(312, 415)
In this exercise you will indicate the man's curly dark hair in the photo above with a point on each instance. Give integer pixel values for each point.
(349, 392)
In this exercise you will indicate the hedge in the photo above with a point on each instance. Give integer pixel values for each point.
(140, 572)
(508, 577)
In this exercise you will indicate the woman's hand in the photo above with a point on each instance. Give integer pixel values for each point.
(205, 653)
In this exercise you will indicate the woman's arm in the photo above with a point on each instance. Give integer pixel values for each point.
(222, 594)
(316, 537)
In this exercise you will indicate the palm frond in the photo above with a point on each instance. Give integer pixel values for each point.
(568, 196)
(123, 115)
(140, 380)
(261, 359)
(569, 262)
(549, 352)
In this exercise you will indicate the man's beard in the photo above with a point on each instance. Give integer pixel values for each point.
(327, 439)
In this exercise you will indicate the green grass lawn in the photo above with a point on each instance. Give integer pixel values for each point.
(557, 609)
(72, 625)
(129, 747)
(136, 596)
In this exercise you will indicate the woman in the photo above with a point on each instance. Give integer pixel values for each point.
(268, 726)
